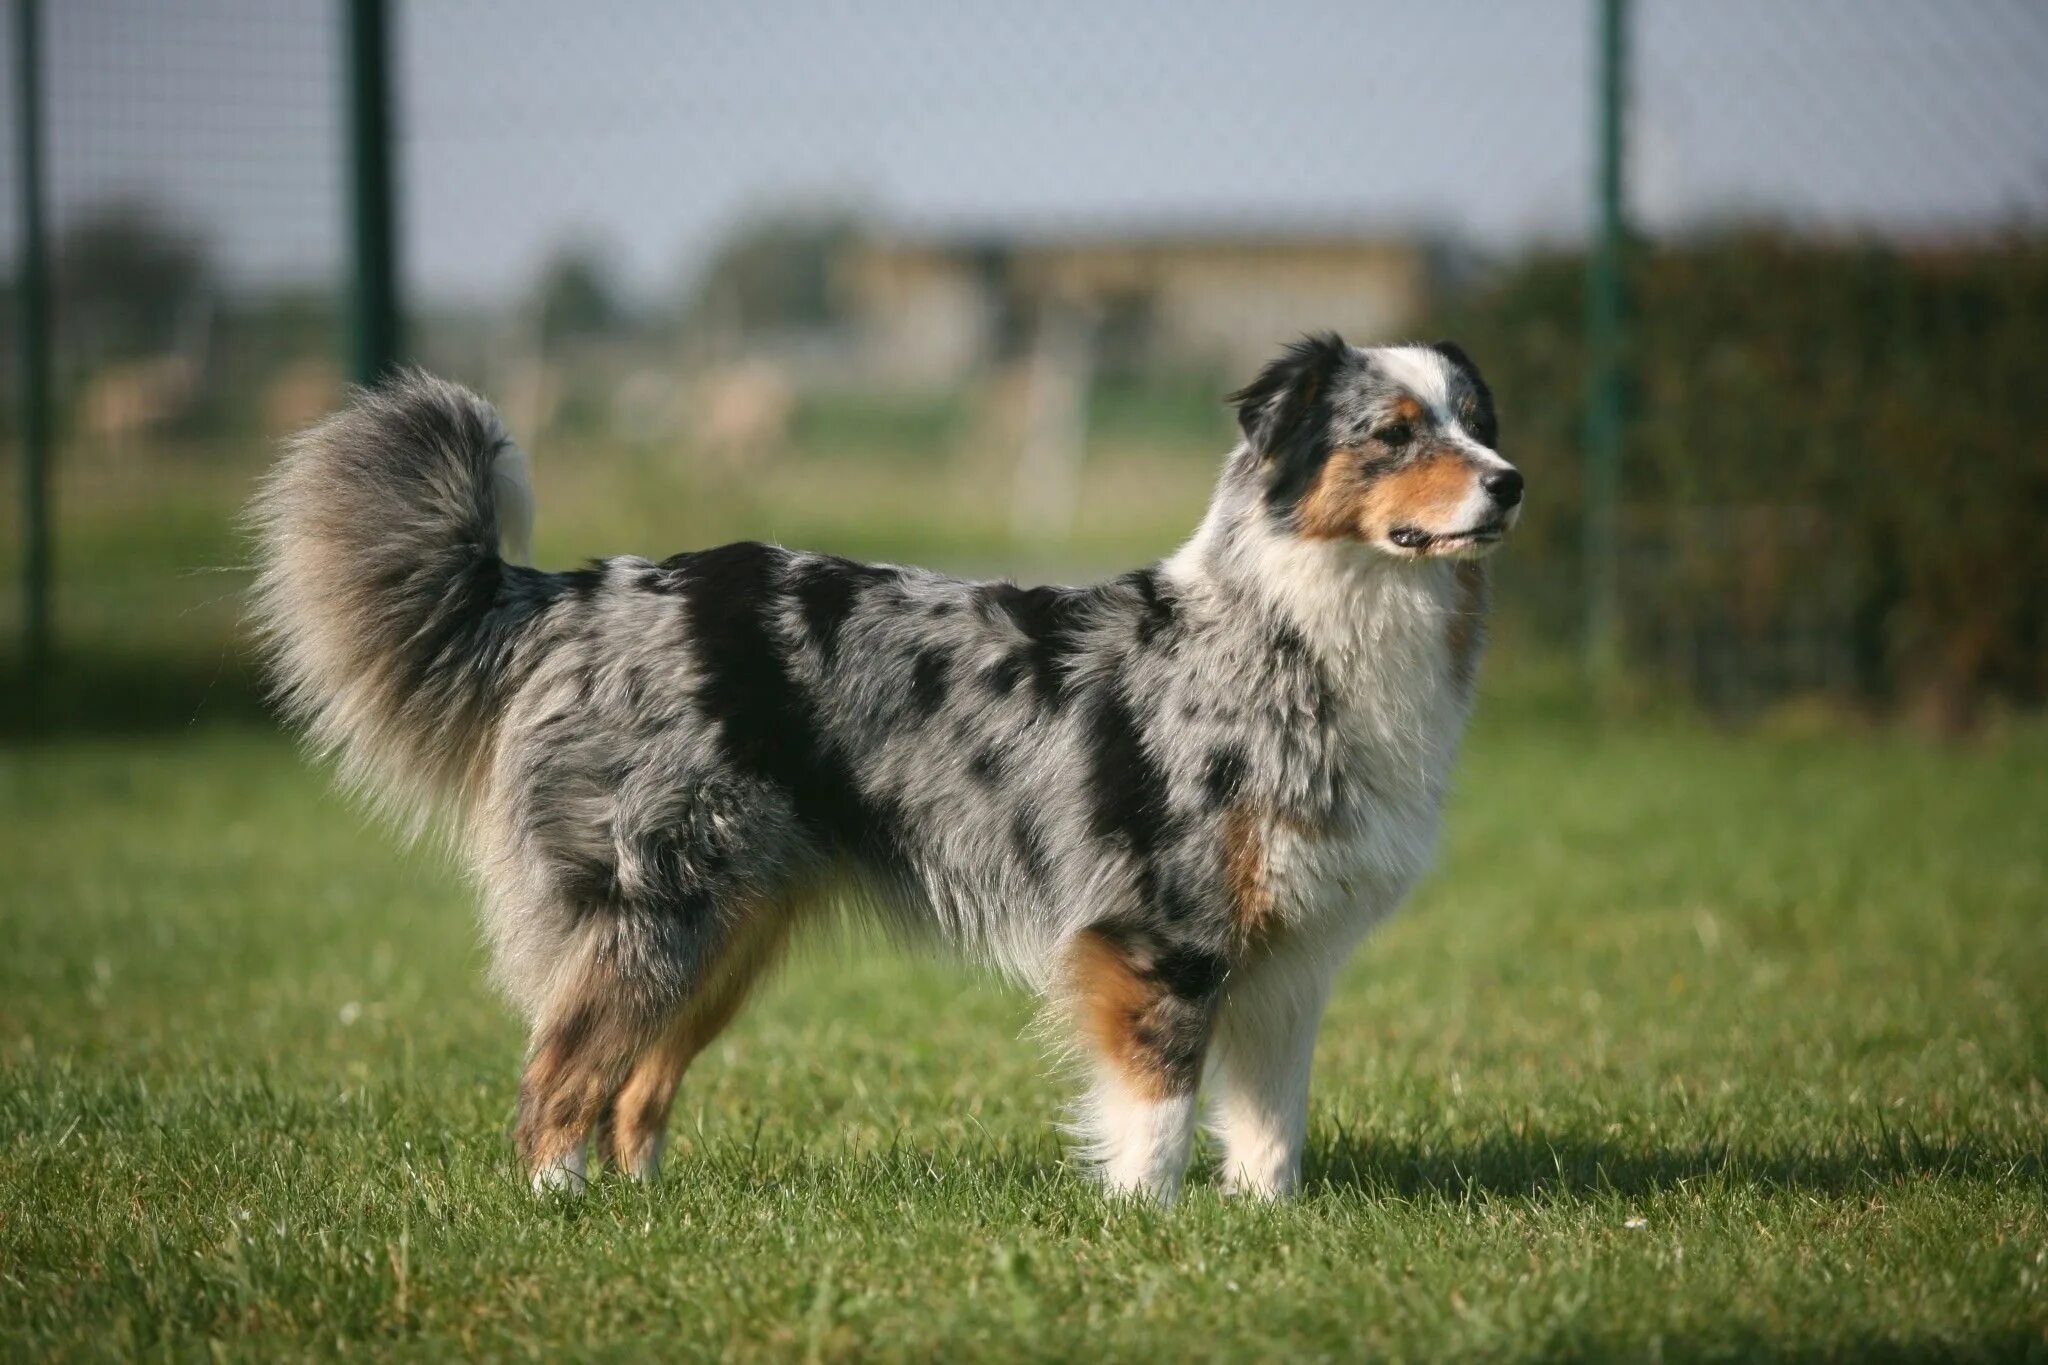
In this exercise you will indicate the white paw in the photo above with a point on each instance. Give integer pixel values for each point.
(1270, 1187)
(565, 1175)
(1158, 1190)
(647, 1165)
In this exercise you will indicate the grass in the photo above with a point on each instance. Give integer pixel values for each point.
(1695, 1047)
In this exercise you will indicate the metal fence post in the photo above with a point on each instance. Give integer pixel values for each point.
(33, 342)
(374, 312)
(1605, 303)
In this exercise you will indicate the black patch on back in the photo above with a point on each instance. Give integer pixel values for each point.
(1156, 604)
(1003, 677)
(767, 723)
(988, 765)
(1223, 778)
(1051, 620)
(1126, 789)
(928, 681)
(1029, 845)
(827, 588)
(580, 585)
(1127, 796)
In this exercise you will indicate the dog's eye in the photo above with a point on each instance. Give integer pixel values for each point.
(1396, 435)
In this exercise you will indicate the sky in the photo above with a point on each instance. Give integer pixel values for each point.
(651, 129)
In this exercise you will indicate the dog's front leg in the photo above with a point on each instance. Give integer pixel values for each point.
(1265, 1038)
(1138, 1137)
(1146, 1006)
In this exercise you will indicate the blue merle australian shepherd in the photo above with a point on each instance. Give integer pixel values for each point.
(1170, 803)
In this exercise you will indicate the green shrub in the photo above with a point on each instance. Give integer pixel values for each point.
(1836, 475)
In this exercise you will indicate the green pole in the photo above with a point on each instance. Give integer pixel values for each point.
(376, 328)
(1605, 304)
(33, 342)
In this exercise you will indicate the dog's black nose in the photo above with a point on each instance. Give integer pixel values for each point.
(1504, 486)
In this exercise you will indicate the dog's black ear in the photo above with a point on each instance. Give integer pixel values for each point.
(1481, 420)
(1284, 413)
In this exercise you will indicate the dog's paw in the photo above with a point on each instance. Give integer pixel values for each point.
(567, 1174)
(1270, 1186)
(645, 1164)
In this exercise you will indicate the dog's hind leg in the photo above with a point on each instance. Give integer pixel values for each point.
(579, 1053)
(1145, 1008)
(636, 1119)
(613, 1000)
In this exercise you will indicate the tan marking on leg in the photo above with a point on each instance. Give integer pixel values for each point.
(1114, 1000)
(1147, 1019)
(638, 1115)
(582, 1051)
(639, 1111)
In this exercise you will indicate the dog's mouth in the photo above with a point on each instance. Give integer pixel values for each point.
(1418, 541)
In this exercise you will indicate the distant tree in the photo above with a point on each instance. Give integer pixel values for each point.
(128, 282)
(577, 296)
(775, 274)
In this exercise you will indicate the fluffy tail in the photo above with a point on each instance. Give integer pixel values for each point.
(386, 611)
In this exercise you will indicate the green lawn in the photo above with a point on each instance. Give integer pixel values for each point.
(1696, 1046)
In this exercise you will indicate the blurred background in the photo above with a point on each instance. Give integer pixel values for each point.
(1763, 290)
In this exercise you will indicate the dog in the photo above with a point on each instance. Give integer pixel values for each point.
(1170, 803)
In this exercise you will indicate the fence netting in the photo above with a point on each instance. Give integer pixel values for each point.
(964, 284)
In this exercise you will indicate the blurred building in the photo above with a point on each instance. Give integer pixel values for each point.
(931, 311)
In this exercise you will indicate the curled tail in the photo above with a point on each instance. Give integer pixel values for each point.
(388, 616)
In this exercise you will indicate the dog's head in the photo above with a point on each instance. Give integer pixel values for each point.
(1392, 447)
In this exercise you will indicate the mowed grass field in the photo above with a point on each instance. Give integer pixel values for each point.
(1695, 1047)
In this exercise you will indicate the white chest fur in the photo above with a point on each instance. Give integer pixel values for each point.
(1385, 632)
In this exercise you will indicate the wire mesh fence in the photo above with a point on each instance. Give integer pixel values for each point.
(964, 284)
(1835, 479)
(196, 213)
